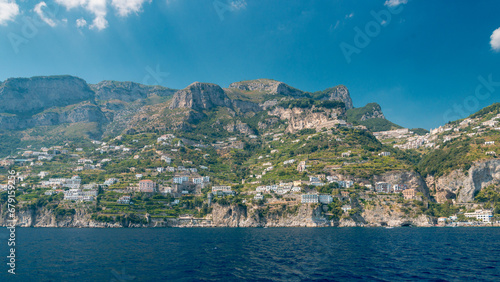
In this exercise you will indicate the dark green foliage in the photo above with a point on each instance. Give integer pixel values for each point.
(441, 210)
(323, 94)
(335, 208)
(357, 113)
(444, 160)
(374, 124)
(493, 110)
(488, 194)
(305, 103)
(62, 212)
(379, 124)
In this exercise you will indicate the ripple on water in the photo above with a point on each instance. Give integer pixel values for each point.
(274, 254)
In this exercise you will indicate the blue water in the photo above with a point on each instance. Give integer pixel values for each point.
(271, 254)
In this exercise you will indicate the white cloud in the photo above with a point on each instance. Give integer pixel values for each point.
(96, 7)
(495, 40)
(70, 4)
(394, 3)
(81, 22)
(99, 9)
(126, 7)
(41, 14)
(8, 11)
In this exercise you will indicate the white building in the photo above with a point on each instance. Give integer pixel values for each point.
(111, 181)
(310, 198)
(221, 188)
(383, 187)
(325, 199)
(42, 174)
(482, 215)
(201, 180)
(180, 179)
(346, 208)
(166, 159)
(124, 200)
(258, 196)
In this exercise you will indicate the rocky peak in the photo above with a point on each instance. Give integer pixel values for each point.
(338, 93)
(31, 95)
(200, 96)
(267, 85)
(374, 112)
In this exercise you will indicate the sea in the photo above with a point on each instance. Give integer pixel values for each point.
(253, 254)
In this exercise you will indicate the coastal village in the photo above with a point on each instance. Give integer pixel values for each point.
(175, 178)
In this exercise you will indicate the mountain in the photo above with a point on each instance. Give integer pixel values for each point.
(27, 96)
(67, 108)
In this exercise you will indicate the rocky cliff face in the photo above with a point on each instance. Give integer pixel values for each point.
(462, 186)
(245, 106)
(31, 95)
(127, 91)
(81, 113)
(267, 85)
(78, 113)
(339, 93)
(240, 127)
(376, 112)
(299, 118)
(200, 96)
(235, 216)
(411, 178)
(305, 215)
(383, 216)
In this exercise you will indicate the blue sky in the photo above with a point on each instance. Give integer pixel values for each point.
(423, 66)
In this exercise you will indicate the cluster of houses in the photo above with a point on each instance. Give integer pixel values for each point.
(177, 169)
(181, 185)
(76, 192)
(72, 183)
(164, 138)
(413, 141)
(455, 131)
(279, 189)
(80, 195)
(109, 148)
(385, 187)
(222, 190)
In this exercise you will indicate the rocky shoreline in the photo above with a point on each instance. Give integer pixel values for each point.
(227, 216)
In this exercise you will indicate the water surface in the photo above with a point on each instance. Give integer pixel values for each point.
(264, 254)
